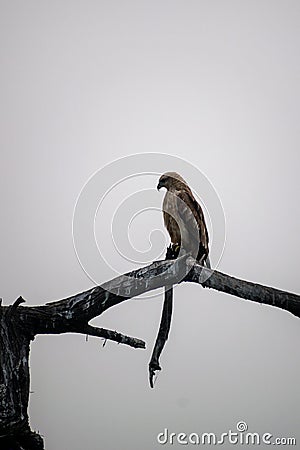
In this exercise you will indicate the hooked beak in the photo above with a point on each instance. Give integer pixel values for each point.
(159, 186)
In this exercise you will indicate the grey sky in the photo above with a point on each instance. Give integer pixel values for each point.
(215, 83)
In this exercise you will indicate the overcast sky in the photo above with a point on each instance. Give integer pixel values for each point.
(215, 83)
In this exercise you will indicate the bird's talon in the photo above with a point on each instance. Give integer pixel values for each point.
(176, 249)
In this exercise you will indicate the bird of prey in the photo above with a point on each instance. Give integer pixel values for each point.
(184, 218)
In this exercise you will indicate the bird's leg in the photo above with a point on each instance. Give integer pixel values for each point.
(204, 261)
(172, 251)
(207, 262)
(176, 249)
(201, 261)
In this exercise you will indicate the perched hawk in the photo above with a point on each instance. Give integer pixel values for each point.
(184, 218)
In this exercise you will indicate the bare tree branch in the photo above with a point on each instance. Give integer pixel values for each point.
(163, 333)
(112, 336)
(69, 314)
(73, 313)
(19, 325)
(165, 321)
(245, 290)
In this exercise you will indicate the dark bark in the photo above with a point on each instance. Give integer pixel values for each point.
(15, 433)
(20, 324)
(165, 321)
(245, 290)
(163, 333)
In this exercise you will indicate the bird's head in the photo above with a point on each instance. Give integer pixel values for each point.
(170, 180)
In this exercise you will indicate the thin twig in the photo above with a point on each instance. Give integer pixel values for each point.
(14, 306)
(106, 334)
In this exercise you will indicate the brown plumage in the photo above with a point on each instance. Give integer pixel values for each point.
(183, 217)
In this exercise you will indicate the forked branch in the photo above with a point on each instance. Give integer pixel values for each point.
(19, 324)
(73, 313)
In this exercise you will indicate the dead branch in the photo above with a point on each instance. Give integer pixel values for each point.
(165, 321)
(113, 336)
(245, 290)
(20, 324)
(163, 333)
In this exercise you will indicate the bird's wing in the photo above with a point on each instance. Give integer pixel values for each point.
(192, 215)
(169, 207)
